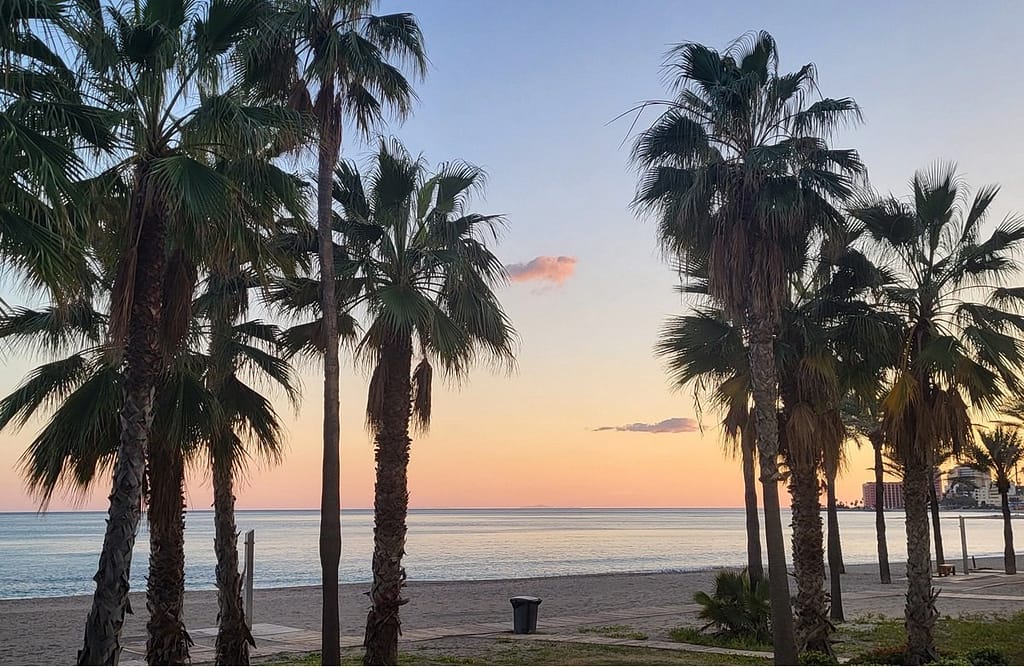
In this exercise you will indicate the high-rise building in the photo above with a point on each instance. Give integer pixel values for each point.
(892, 495)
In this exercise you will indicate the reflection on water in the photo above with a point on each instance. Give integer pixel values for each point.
(56, 554)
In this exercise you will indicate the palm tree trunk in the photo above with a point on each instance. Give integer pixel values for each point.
(811, 608)
(755, 568)
(1009, 555)
(168, 641)
(101, 645)
(835, 551)
(233, 635)
(765, 390)
(390, 507)
(920, 611)
(330, 498)
(883, 548)
(933, 502)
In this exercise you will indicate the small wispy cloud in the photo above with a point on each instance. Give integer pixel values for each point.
(546, 268)
(671, 425)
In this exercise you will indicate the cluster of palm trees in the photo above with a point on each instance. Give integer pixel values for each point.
(824, 313)
(147, 204)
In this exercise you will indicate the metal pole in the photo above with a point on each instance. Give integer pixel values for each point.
(250, 547)
(963, 544)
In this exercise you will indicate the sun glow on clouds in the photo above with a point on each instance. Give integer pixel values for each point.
(546, 268)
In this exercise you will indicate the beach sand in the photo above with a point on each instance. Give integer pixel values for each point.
(48, 631)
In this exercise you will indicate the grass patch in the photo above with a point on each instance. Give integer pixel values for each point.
(614, 632)
(689, 635)
(536, 652)
(966, 638)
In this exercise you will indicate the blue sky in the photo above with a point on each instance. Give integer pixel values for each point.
(528, 90)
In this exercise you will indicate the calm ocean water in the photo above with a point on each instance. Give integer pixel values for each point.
(55, 554)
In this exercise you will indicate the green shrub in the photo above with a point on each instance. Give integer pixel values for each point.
(737, 609)
(886, 655)
(817, 658)
(987, 656)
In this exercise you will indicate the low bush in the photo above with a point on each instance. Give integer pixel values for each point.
(817, 658)
(987, 655)
(737, 608)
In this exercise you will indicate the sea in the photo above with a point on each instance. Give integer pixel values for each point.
(55, 554)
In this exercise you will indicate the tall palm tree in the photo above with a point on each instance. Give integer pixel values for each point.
(863, 420)
(147, 61)
(428, 277)
(1001, 451)
(333, 59)
(705, 351)
(825, 330)
(202, 404)
(940, 459)
(246, 427)
(738, 170)
(960, 345)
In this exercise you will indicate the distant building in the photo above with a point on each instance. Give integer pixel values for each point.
(966, 482)
(892, 495)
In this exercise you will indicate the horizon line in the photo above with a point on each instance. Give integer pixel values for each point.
(411, 509)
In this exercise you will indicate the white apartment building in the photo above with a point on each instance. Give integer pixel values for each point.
(964, 480)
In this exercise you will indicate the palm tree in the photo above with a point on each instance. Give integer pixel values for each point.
(427, 275)
(863, 420)
(202, 404)
(738, 170)
(826, 329)
(331, 58)
(246, 427)
(1001, 451)
(940, 458)
(705, 351)
(147, 61)
(44, 124)
(833, 342)
(959, 345)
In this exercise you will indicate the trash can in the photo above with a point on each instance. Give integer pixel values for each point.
(524, 614)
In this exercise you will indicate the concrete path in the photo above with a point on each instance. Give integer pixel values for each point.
(274, 639)
(278, 639)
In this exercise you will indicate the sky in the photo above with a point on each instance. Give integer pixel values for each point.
(530, 91)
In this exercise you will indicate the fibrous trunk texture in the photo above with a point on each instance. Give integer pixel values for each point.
(883, 548)
(103, 626)
(920, 611)
(835, 554)
(330, 496)
(390, 506)
(811, 605)
(1009, 557)
(755, 568)
(167, 640)
(765, 390)
(233, 636)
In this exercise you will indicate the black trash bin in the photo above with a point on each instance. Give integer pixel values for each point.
(524, 614)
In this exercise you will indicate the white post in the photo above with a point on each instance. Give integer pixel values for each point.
(963, 544)
(250, 541)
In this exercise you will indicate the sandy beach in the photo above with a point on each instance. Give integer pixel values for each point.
(48, 631)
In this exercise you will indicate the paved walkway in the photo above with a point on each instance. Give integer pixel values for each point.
(278, 639)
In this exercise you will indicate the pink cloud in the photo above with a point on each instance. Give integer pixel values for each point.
(545, 268)
(672, 425)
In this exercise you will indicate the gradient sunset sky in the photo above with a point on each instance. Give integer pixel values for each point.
(528, 90)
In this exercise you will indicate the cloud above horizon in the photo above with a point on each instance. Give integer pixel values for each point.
(546, 268)
(671, 425)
